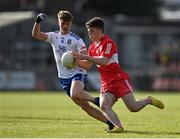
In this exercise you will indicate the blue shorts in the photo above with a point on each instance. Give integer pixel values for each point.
(66, 82)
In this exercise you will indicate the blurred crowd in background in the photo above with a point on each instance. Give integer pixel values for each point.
(147, 34)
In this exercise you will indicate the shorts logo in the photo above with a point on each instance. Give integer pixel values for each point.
(77, 78)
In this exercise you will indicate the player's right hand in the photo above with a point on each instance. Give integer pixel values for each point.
(40, 17)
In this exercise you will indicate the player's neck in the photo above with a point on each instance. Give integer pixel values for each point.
(97, 43)
(64, 33)
(99, 38)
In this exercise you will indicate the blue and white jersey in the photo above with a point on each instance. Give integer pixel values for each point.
(61, 44)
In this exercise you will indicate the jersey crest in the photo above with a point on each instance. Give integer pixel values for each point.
(99, 49)
(62, 39)
(69, 41)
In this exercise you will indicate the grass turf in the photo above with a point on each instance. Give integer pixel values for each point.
(54, 115)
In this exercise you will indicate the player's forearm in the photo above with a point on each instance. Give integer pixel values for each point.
(97, 60)
(37, 34)
(36, 30)
(84, 64)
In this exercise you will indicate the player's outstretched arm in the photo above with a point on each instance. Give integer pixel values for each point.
(36, 31)
(85, 64)
(96, 60)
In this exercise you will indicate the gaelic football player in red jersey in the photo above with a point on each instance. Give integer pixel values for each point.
(115, 82)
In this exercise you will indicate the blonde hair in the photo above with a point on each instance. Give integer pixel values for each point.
(65, 15)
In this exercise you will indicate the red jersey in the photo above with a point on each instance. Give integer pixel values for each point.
(112, 70)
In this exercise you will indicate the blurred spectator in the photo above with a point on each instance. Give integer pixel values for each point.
(165, 57)
(174, 54)
(157, 58)
(1, 60)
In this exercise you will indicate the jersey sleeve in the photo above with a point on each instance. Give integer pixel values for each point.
(108, 49)
(81, 46)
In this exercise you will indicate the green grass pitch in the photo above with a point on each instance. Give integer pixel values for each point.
(54, 115)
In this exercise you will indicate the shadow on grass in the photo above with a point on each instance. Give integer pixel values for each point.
(152, 132)
(76, 121)
(37, 118)
(45, 119)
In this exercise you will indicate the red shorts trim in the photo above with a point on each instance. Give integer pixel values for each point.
(117, 87)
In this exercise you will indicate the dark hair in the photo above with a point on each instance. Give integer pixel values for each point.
(96, 22)
(65, 16)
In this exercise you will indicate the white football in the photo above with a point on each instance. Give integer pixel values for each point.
(68, 60)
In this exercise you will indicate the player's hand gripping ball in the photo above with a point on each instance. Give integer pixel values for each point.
(68, 60)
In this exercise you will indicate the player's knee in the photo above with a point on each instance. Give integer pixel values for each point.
(105, 107)
(133, 108)
(75, 96)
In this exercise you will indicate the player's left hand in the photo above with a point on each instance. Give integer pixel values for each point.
(79, 56)
(75, 54)
(40, 17)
